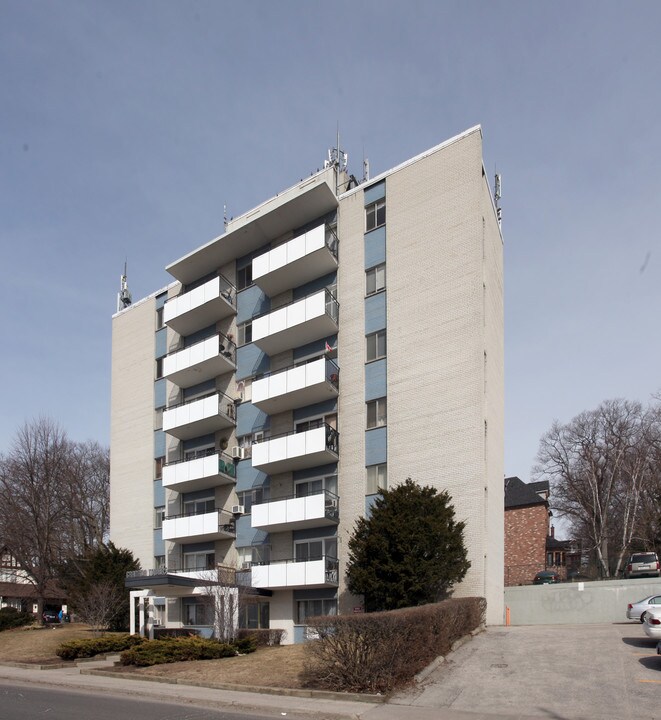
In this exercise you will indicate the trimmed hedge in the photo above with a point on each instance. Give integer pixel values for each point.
(12, 618)
(379, 652)
(97, 646)
(177, 649)
(263, 637)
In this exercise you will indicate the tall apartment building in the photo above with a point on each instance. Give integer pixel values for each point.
(338, 338)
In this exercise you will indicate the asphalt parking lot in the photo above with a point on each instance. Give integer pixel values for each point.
(565, 672)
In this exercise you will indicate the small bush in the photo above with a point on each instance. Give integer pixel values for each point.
(378, 652)
(12, 618)
(178, 649)
(175, 632)
(263, 637)
(97, 646)
(245, 645)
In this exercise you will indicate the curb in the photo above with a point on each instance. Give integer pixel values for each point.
(262, 690)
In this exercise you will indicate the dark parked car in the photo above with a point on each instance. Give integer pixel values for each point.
(546, 577)
(51, 616)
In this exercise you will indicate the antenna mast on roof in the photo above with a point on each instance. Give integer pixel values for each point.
(124, 295)
(496, 197)
(338, 159)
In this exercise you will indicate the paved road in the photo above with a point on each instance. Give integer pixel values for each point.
(27, 702)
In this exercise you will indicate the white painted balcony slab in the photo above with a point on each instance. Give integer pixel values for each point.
(295, 451)
(295, 513)
(204, 360)
(199, 474)
(294, 263)
(200, 307)
(310, 574)
(199, 417)
(197, 528)
(296, 324)
(296, 387)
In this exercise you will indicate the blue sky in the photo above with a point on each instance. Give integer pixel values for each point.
(125, 126)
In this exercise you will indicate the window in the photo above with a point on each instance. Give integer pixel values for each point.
(199, 561)
(311, 608)
(159, 318)
(159, 368)
(254, 555)
(244, 333)
(306, 425)
(375, 279)
(158, 467)
(377, 478)
(199, 507)
(159, 562)
(244, 277)
(197, 613)
(315, 549)
(158, 418)
(376, 345)
(159, 516)
(254, 615)
(249, 498)
(377, 413)
(375, 215)
(316, 486)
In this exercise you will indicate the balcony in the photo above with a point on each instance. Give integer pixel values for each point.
(214, 525)
(294, 263)
(296, 513)
(298, 323)
(200, 471)
(319, 573)
(200, 416)
(169, 581)
(298, 386)
(205, 360)
(201, 307)
(296, 451)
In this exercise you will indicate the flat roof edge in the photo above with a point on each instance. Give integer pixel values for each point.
(410, 161)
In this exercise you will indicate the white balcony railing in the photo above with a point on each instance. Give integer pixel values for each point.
(292, 574)
(199, 473)
(298, 386)
(200, 416)
(214, 525)
(295, 451)
(296, 513)
(200, 307)
(202, 361)
(296, 262)
(297, 323)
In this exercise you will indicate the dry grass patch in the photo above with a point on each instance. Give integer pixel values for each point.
(277, 666)
(38, 644)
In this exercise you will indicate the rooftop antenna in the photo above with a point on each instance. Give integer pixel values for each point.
(124, 295)
(496, 196)
(338, 159)
(225, 217)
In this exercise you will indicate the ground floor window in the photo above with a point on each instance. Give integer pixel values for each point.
(310, 608)
(254, 615)
(197, 613)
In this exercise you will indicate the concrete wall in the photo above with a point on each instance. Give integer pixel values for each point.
(575, 603)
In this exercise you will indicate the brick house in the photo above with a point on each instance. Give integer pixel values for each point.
(526, 529)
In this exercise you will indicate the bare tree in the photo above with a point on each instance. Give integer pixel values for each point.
(224, 594)
(98, 605)
(53, 500)
(600, 465)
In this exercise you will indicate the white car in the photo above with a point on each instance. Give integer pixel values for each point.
(652, 624)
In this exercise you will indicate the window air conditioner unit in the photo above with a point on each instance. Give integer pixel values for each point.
(238, 453)
(238, 510)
